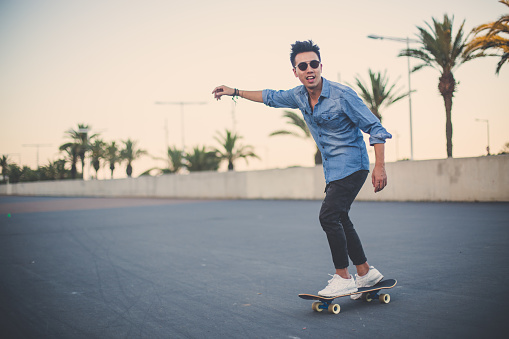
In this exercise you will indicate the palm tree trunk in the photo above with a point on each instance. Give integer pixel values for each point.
(96, 164)
(82, 158)
(73, 170)
(447, 87)
(448, 124)
(318, 157)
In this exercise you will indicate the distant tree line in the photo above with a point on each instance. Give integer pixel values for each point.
(203, 158)
(81, 145)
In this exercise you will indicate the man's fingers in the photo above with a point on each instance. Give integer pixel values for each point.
(379, 183)
(218, 92)
(218, 89)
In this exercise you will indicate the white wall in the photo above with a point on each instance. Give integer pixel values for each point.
(466, 179)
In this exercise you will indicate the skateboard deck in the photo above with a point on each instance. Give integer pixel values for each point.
(368, 294)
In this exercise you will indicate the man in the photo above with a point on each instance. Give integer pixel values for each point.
(335, 116)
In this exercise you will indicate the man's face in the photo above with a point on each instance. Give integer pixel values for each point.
(311, 78)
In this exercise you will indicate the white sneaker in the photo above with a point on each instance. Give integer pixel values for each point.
(372, 278)
(338, 286)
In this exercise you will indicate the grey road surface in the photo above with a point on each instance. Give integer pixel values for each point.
(161, 268)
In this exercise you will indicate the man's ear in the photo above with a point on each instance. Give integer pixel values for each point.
(295, 72)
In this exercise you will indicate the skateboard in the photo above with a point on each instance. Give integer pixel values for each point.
(368, 294)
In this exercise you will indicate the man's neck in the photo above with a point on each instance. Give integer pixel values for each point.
(314, 93)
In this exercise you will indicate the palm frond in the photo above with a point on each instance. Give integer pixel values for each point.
(295, 120)
(380, 94)
(504, 58)
(284, 132)
(492, 39)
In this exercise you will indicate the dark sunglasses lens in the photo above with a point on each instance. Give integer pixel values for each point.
(303, 66)
(314, 64)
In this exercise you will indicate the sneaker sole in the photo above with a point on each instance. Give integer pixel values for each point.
(337, 295)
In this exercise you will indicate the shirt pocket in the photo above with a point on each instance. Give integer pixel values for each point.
(329, 120)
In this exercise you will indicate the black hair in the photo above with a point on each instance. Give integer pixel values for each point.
(304, 46)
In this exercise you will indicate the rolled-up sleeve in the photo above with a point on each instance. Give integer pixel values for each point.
(279, 99)
(379, 138)
(361, 115)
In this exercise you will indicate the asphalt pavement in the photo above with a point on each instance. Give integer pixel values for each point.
(162, 268)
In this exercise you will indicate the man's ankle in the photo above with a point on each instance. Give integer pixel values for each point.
(362, 270)
(343, 273)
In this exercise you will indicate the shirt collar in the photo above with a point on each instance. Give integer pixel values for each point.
(325, 88)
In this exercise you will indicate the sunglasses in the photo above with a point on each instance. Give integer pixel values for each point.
(304, 65)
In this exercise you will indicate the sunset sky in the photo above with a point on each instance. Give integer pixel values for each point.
(106, 64)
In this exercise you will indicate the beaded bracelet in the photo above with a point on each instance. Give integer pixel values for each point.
(235, 94)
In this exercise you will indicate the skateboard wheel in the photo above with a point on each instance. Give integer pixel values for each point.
(366, 297)
(316, 306)
(334, 308)
(384, 298)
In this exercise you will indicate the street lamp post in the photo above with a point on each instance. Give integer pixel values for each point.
(406, 40)
(487, 133)
(182, 104)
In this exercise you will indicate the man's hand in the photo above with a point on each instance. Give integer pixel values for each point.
(219, 91)
(379, 178)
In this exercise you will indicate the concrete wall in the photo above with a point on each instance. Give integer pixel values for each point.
(466, 179)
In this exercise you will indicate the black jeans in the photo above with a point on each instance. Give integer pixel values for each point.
(343, 239)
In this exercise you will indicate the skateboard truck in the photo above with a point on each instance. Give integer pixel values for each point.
(368, 294)
(319, 306)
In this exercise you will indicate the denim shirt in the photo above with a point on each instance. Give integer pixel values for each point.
(335, 124)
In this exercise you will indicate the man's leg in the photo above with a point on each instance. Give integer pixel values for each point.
(341, 235)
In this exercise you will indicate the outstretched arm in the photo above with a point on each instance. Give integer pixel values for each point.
(379, 177)
(255, 96)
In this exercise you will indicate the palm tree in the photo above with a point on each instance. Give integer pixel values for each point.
(130, 153)
(202, 160)
(303, 132)
(379, 94)
(28, 175)
(4, 163)
(49, 171)
(14, 173)
(231, 149)
(112, 156)
(71, 150)
(175, 160)
(97, 148)
(81, 138)
(444, 52)
(61, 171)
(492, 39)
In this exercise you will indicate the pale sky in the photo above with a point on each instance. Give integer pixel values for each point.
(105, 64)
